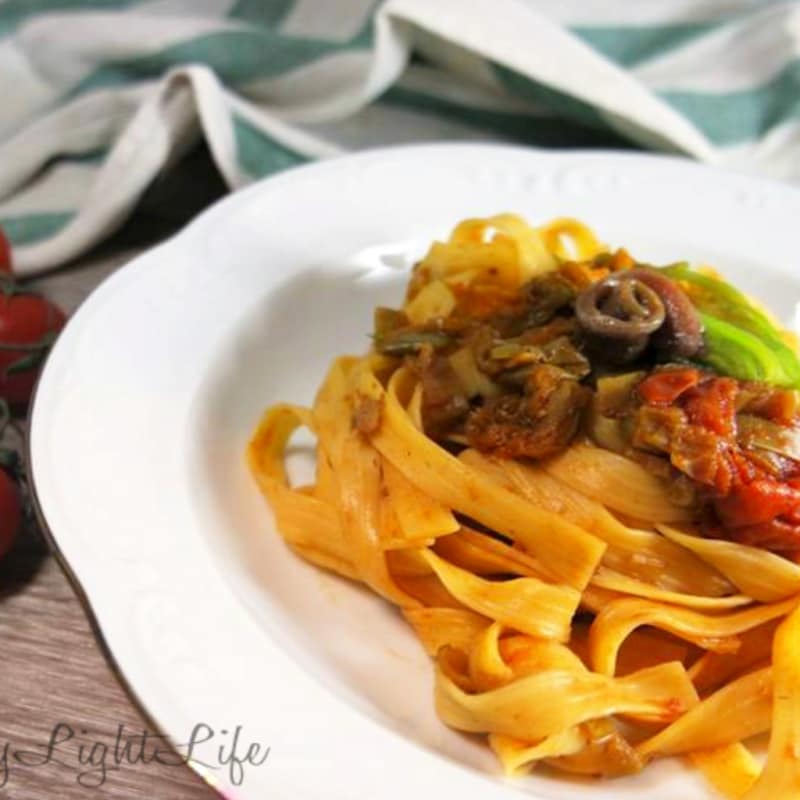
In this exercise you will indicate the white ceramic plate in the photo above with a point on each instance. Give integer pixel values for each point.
(149, 397)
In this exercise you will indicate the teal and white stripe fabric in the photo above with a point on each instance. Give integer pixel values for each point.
(100, 96)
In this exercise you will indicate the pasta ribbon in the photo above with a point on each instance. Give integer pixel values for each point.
(360, 493)
(604, 752)
(758, 573)
(357, 469)
(446, 627)
(540, 705)
(485, 555)
(570, 239)
(427, 590)
(737, 711)
(524, 604)
(432, 301)
(566, 553)
(526, 655)
(518, 757)
(730, 769)
(419, 517)
(781, 775)
(617, 482)
(610, 579)
(642, 555)
(309, 525)
(501, 252)
(718, 633)
(711, 670)
(487, 669)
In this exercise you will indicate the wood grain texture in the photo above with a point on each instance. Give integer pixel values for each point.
(53, 674)
(52, 671)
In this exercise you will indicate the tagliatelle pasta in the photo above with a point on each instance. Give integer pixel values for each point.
(587, 509)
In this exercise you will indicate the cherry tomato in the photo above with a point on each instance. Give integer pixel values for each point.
(666, 386)
(777, 535)
(28, 326)
(10, 511)
(757, 502)
(713, 405)
(5, 254)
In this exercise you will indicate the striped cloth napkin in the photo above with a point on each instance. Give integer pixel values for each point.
(101, 96)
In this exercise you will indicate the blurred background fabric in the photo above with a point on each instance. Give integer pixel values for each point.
(101, 97)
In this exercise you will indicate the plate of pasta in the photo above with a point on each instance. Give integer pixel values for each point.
(456, 468)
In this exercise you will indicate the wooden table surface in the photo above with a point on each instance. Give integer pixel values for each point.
(54, 678)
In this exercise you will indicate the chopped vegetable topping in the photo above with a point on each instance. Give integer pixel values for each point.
(736, 352)
(741, 341)
(666, 386)
(707, 399)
